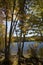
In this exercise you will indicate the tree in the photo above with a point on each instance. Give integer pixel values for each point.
(6, 12)
(30, 18)
(2, 31)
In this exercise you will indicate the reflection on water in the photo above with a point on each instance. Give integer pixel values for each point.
(14, 47)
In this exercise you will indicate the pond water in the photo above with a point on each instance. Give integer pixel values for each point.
(14, 47)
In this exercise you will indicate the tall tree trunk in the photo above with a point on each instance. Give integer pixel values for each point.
(11, 27)
(23, 45)
(10, 34)
(19, 49)
(6, 54)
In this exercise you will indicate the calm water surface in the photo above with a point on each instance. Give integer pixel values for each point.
(14, 47)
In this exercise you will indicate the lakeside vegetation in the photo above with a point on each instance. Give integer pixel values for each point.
(27, 39)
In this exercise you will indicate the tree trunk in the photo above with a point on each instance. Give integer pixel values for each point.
(6, 54)
(19, 50)
(10, 33)
(23, 45)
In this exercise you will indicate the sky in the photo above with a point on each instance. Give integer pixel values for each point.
(8, 28)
